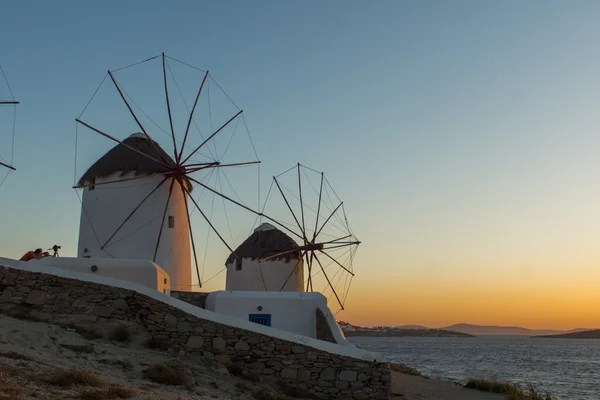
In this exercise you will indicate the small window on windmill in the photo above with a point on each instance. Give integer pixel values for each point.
(238, 264)
(171, 222)
(92, 185)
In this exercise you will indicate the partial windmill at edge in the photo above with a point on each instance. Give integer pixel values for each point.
(139, 159)
(316, 217)
(6, 102)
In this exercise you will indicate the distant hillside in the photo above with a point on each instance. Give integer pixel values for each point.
(392, 332)
(452, 330)
(410, 327)
(488, 330)
(593, 334)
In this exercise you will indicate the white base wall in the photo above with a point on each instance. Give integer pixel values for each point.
(142, 272)
(291, 312)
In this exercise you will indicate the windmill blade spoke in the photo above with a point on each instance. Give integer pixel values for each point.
(7, 166)
(121, 143)
(337, 240)
(187, 129)
(169, 106)
(8, 102)
(112, 77)
(135, 178)
(204, 164)
(291, 274)
(337, 262)
(329, 282)
(310, 262)
(292, 211)
(318, 209)
(213, 135)
(210, 223)
(238, 164)
(243, 206)
(301, 202)
(342, 244)
(162, 223)
(200, 168)
(187, 211)
(327, 220)
(132, 212)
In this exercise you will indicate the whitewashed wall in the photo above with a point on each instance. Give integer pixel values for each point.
(107, 206)
(143, 272)
(292, 312)
(266, 276)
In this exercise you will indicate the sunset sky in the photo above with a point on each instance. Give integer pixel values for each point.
(463, 137)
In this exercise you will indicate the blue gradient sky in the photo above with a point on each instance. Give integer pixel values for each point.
(463, 136)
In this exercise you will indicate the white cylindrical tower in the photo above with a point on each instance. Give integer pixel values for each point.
(247, 271)
(109, 230)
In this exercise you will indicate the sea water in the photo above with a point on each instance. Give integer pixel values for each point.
(565, 368)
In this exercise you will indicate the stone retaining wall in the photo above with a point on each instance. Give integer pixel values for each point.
(323, 328)
(195, 298)
(323, 375)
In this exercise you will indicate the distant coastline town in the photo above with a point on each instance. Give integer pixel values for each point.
(464, 330)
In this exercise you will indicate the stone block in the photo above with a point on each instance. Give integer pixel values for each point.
(6, 296)
(195, 342)
(288, 373)
(242, 346)
(184, 326)
(219, 343)
(101, 311)
(304, 374)
(328, 374)
(120, 304)
(170, 319)
(348, 376)
(222, 358)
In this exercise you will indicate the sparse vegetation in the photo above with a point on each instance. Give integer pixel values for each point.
(74, 377)
(13, 355)
(167, 375)
(10, 391)
(404, 369)
(292, 391)
(264, 394)
(111, 393)
(125, 364)
(86, 333)
(120, 334)
(235, 369)
(78, 348)
(513, 390)
(24, 314)
(8, 370)
(156, 344)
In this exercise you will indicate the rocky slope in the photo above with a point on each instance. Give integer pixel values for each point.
(42, 361)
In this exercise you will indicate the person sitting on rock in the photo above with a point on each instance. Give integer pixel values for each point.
(30, 255)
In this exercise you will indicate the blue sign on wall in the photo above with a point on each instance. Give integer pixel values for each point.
(261, 319)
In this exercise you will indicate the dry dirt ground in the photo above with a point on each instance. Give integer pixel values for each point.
(42, 361)
(408, 387)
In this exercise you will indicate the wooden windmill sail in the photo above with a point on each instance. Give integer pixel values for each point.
(7, 99)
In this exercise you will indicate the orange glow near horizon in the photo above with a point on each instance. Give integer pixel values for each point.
(552, 301)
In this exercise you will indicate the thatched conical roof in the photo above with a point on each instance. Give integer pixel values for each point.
(123, 160)
(265, 241)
